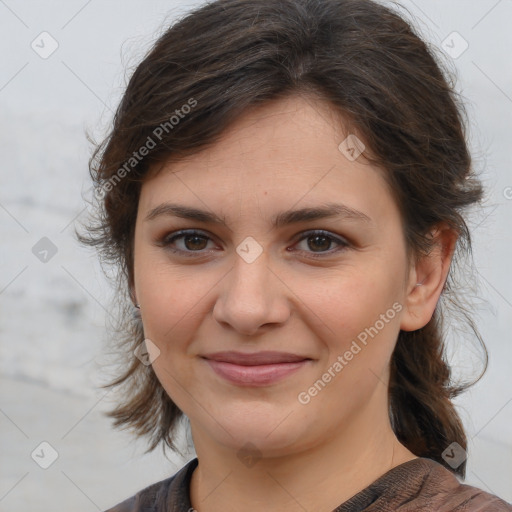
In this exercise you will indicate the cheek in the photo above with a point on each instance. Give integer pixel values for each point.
(171, 304)
(352, 302)
(361, 309)
(362, 313)
(174, 307)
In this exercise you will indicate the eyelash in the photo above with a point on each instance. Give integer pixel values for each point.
(167, 240)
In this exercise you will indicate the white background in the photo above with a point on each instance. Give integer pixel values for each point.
(52, 315)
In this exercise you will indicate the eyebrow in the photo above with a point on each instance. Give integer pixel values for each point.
(329, 210)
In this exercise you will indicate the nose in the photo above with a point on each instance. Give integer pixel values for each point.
(252, 298)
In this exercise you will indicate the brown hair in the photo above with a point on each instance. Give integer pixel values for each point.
(371, 67)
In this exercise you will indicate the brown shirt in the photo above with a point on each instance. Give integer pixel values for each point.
(414, 486)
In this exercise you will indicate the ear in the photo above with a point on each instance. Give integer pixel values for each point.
(427, 278)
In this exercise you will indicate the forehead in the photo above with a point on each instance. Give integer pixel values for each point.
(285, 152)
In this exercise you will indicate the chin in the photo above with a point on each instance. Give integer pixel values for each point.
(270, 429)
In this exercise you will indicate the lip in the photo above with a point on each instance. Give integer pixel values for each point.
(255, 358)
(255, 369)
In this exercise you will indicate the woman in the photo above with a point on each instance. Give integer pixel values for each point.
(283, 192)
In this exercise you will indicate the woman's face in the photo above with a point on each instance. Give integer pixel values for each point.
(273, 327)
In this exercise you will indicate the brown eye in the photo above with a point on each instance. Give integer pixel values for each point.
(321, 242)
(186, 242)
(194, 242)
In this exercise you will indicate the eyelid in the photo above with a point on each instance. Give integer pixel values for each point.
(342, 242)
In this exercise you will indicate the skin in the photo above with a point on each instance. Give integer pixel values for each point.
(280, 156)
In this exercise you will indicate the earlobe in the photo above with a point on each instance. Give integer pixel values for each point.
(427, 279)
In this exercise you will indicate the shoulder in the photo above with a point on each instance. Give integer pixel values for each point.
(439, 489)
(166, 495)
(457, 496)
(422, 485)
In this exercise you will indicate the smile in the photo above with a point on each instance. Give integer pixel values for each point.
(259, 369)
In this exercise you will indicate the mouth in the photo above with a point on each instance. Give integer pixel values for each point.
(256, 369)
